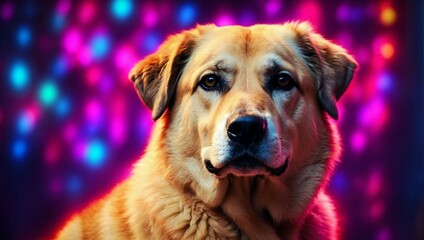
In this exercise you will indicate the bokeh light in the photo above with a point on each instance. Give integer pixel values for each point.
(72, 125)
(19, 75)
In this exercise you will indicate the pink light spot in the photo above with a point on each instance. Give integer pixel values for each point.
(87, 12)
(93, 76)
(72, 40)
(150, 17)
(7, 10)
(375, 183)
(272, 7)
(117, 130)
(358, 141)
(224, 20)
(310, 11)
(117, 125)
(377, 209)
(70, 132)
(52, 152)
(63, 7)
(1, 117)
(84, 56)
(125, 58)
(93, 111)
(374, 115)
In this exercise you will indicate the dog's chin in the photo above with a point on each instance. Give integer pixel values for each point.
(246, 166)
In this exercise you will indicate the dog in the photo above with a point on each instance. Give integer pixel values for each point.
(244, 142)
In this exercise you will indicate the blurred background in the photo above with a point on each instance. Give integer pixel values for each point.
(71, 124)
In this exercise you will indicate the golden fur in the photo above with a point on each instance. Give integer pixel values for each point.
(185, 186)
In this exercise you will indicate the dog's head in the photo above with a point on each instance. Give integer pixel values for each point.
(245, 101)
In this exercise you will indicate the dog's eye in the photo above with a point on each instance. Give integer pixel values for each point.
(210, 82)
(282, 81)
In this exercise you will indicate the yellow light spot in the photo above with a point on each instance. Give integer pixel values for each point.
(387, 50)
(388, 16)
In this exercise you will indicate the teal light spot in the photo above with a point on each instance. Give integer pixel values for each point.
(19, 76)
(95, 153)
(121, 9)
(47, 93)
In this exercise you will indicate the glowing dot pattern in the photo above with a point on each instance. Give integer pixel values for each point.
(72, 125)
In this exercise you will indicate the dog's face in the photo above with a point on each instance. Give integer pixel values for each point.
(246, 101)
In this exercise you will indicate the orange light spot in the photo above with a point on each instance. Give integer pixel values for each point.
(388, 16)
(387, 50)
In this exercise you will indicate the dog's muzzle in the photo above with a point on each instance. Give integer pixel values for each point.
(244, 132)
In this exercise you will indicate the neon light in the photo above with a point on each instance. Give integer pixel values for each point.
(19, 76)
(387, 50)
(187, 14)
(19, 149)
(388, 16)
(150, 17)
(87, 12)
(60, 66)
(151, 42)
(7, 10)
(93, 111)
(95, 153)
(99, 46)
(25, 122)
(74, 185)
(358, 141)
(224, 20)
(272, 7)
(121, 9)
(23, 36)
(72, 40)
(63, 107)
(48, 93)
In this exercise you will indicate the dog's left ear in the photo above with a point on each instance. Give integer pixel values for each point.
(156, 76)
(332, 65)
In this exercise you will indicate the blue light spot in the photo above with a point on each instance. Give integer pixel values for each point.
(99, 46)
(121, 9)
(47, 93)
(19, 76)
(187, 14)
(74, 185)
(23, 36)
(25, 123)
(338, 182)
(58, 22)
(95, 153)
(151, 42)
(60, 66)
(19, 148)
(385, 82)
(63, 107)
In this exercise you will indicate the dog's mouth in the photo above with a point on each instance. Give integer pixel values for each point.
(246, 165)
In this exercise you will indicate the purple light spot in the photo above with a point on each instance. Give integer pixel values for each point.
(7, 10)
(273, 7)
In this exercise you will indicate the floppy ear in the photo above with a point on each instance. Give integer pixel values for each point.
(156, 76)
(332, 65)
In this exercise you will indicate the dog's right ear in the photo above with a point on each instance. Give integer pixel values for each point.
(156, 76)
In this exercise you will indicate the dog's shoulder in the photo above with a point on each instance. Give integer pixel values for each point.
(321, 221)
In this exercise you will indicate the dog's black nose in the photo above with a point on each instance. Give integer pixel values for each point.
(247, 129)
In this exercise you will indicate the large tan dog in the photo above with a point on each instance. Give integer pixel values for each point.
(243, 143)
